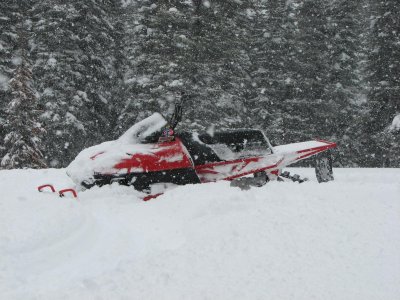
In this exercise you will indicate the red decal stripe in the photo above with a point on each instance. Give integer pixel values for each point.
(221, 163)
(254, 171)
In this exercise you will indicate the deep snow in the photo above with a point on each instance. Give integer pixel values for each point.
(339, 240)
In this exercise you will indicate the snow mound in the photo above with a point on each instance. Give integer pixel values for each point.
(337, 240)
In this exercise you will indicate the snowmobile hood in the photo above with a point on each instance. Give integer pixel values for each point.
(102, 158)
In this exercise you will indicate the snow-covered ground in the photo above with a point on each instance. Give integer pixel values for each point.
(339, 240)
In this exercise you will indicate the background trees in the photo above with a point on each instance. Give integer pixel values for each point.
(298, 69)
(22, 144)
(75, 70)
(8, 37)
(383, 105)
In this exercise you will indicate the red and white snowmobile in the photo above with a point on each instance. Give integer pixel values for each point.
(150, 157)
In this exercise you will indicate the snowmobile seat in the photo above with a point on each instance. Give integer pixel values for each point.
(199, 151)
(238, 140)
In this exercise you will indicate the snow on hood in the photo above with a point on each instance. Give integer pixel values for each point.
(103, 157)
(294, 147)
(138, 132)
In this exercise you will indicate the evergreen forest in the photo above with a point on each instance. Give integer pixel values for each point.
(77, 73)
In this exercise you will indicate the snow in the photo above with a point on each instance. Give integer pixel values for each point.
(126, 3)
(48, 92)
(16, 60)
(3, 82)
(52, 62)
(338, 240)
(395, 123)
(211, 130)
(175, 83)
(141, 80)
(138, 132)
(71, 119)
(251, 13)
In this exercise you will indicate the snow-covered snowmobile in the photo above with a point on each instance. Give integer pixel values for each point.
(150, 157)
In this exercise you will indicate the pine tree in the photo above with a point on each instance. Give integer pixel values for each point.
(384, 79)
(291, 68)
(198, 47)
(304, 103)
(272, 52)
(23, 131)
(343, 87)
(220, 62)
(8, 39)
(75, 72)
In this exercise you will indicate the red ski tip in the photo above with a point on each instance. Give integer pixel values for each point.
(62, 192)
(40, 188)
(149, 197)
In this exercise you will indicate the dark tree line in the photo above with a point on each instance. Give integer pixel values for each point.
(76, 73)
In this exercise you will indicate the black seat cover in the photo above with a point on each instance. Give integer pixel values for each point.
(200, 152)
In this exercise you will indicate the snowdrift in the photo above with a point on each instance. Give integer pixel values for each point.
(338, 240)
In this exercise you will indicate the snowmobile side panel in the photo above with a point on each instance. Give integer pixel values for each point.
(164, 156)
(143, 181)
(229, 170)
(299, 151)
(304, 147)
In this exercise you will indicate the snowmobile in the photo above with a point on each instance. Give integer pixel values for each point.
(151, 157)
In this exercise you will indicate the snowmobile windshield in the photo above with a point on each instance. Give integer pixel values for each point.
(146, 131)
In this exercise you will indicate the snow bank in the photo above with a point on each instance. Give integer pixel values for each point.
(338, 240)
